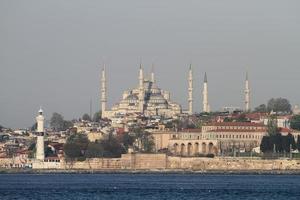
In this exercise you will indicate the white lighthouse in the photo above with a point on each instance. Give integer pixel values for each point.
(40, 155)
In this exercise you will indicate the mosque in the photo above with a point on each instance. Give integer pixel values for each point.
(148, 99)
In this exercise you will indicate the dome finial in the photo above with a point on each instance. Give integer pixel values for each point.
(41, 110)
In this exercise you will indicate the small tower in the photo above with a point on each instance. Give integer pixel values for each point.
(152, 74)
(206, 107)
(247, 94)
(40, 155)
(141, 90)
(103, 91)
(190, 91)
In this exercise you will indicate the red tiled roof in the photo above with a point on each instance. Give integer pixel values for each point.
(235, 124)
(237, 131)
(287, 130)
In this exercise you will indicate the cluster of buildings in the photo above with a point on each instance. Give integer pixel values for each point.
(152, 109)
(149, 100)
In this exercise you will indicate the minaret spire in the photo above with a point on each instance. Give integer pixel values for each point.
(141, 90)
(152, 74)
(190, 90)
(103, 90)
(247, 94)
(206, 107)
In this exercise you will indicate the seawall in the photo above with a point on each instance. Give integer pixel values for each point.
(162, 162)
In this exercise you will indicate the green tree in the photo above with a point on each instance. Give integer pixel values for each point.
(86, 117)
(228, 119)
(279, 141)
(127, 140)
(298, 143)
(76, 146)
(266, 145)
(144, 139)
(94, 150)
(272, 127)
(295, 122)
(67, 125)
(33, 127)
(242, 118)
(147, 141)
(291, 141)
(279, 105)
(31, 149)
(57, 122)
(112, 148)
(261, 108)
(97, 116)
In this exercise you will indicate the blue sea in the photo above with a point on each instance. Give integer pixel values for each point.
(148, 186)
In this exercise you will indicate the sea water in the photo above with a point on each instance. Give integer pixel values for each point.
(148, 186)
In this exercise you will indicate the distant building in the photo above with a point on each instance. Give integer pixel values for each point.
(296, 110)
(146, 98)
(235, 135)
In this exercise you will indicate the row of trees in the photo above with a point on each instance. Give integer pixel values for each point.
(96, 117)
(58, 123)
(295, 122)
(275, 105)
(279, 143)
(78, 147)
(275, 142)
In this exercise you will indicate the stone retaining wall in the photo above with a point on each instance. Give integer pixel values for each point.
(164, 162)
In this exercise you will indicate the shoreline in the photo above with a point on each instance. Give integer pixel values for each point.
(206, 172)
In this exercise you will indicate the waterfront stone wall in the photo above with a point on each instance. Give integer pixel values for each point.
(169, 163)
(144, 161)
(231, 164)
(94, 164)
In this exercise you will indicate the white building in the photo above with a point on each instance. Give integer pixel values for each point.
(146, 98)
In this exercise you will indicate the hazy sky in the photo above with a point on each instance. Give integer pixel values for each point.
(51, 52)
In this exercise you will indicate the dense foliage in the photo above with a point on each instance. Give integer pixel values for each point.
(58, 123)
(86, 117)
(295, 122)
(272, 127)
(279, 105)
(97, 116)
(261, 108)
(78, 147)
(278, 143)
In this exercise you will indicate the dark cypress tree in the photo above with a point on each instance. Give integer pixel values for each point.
(285, 144)
(266, 145)
(278, 141)
(291, 141)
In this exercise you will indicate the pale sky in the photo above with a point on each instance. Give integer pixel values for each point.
(51, 52)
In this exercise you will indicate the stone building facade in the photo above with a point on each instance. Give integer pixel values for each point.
(235, 135)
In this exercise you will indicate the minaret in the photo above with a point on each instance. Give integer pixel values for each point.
(206, 107)
(141, 90)
(40, 155)
(152, 74)
(190, 90)
(103, 91)
(247, 94)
